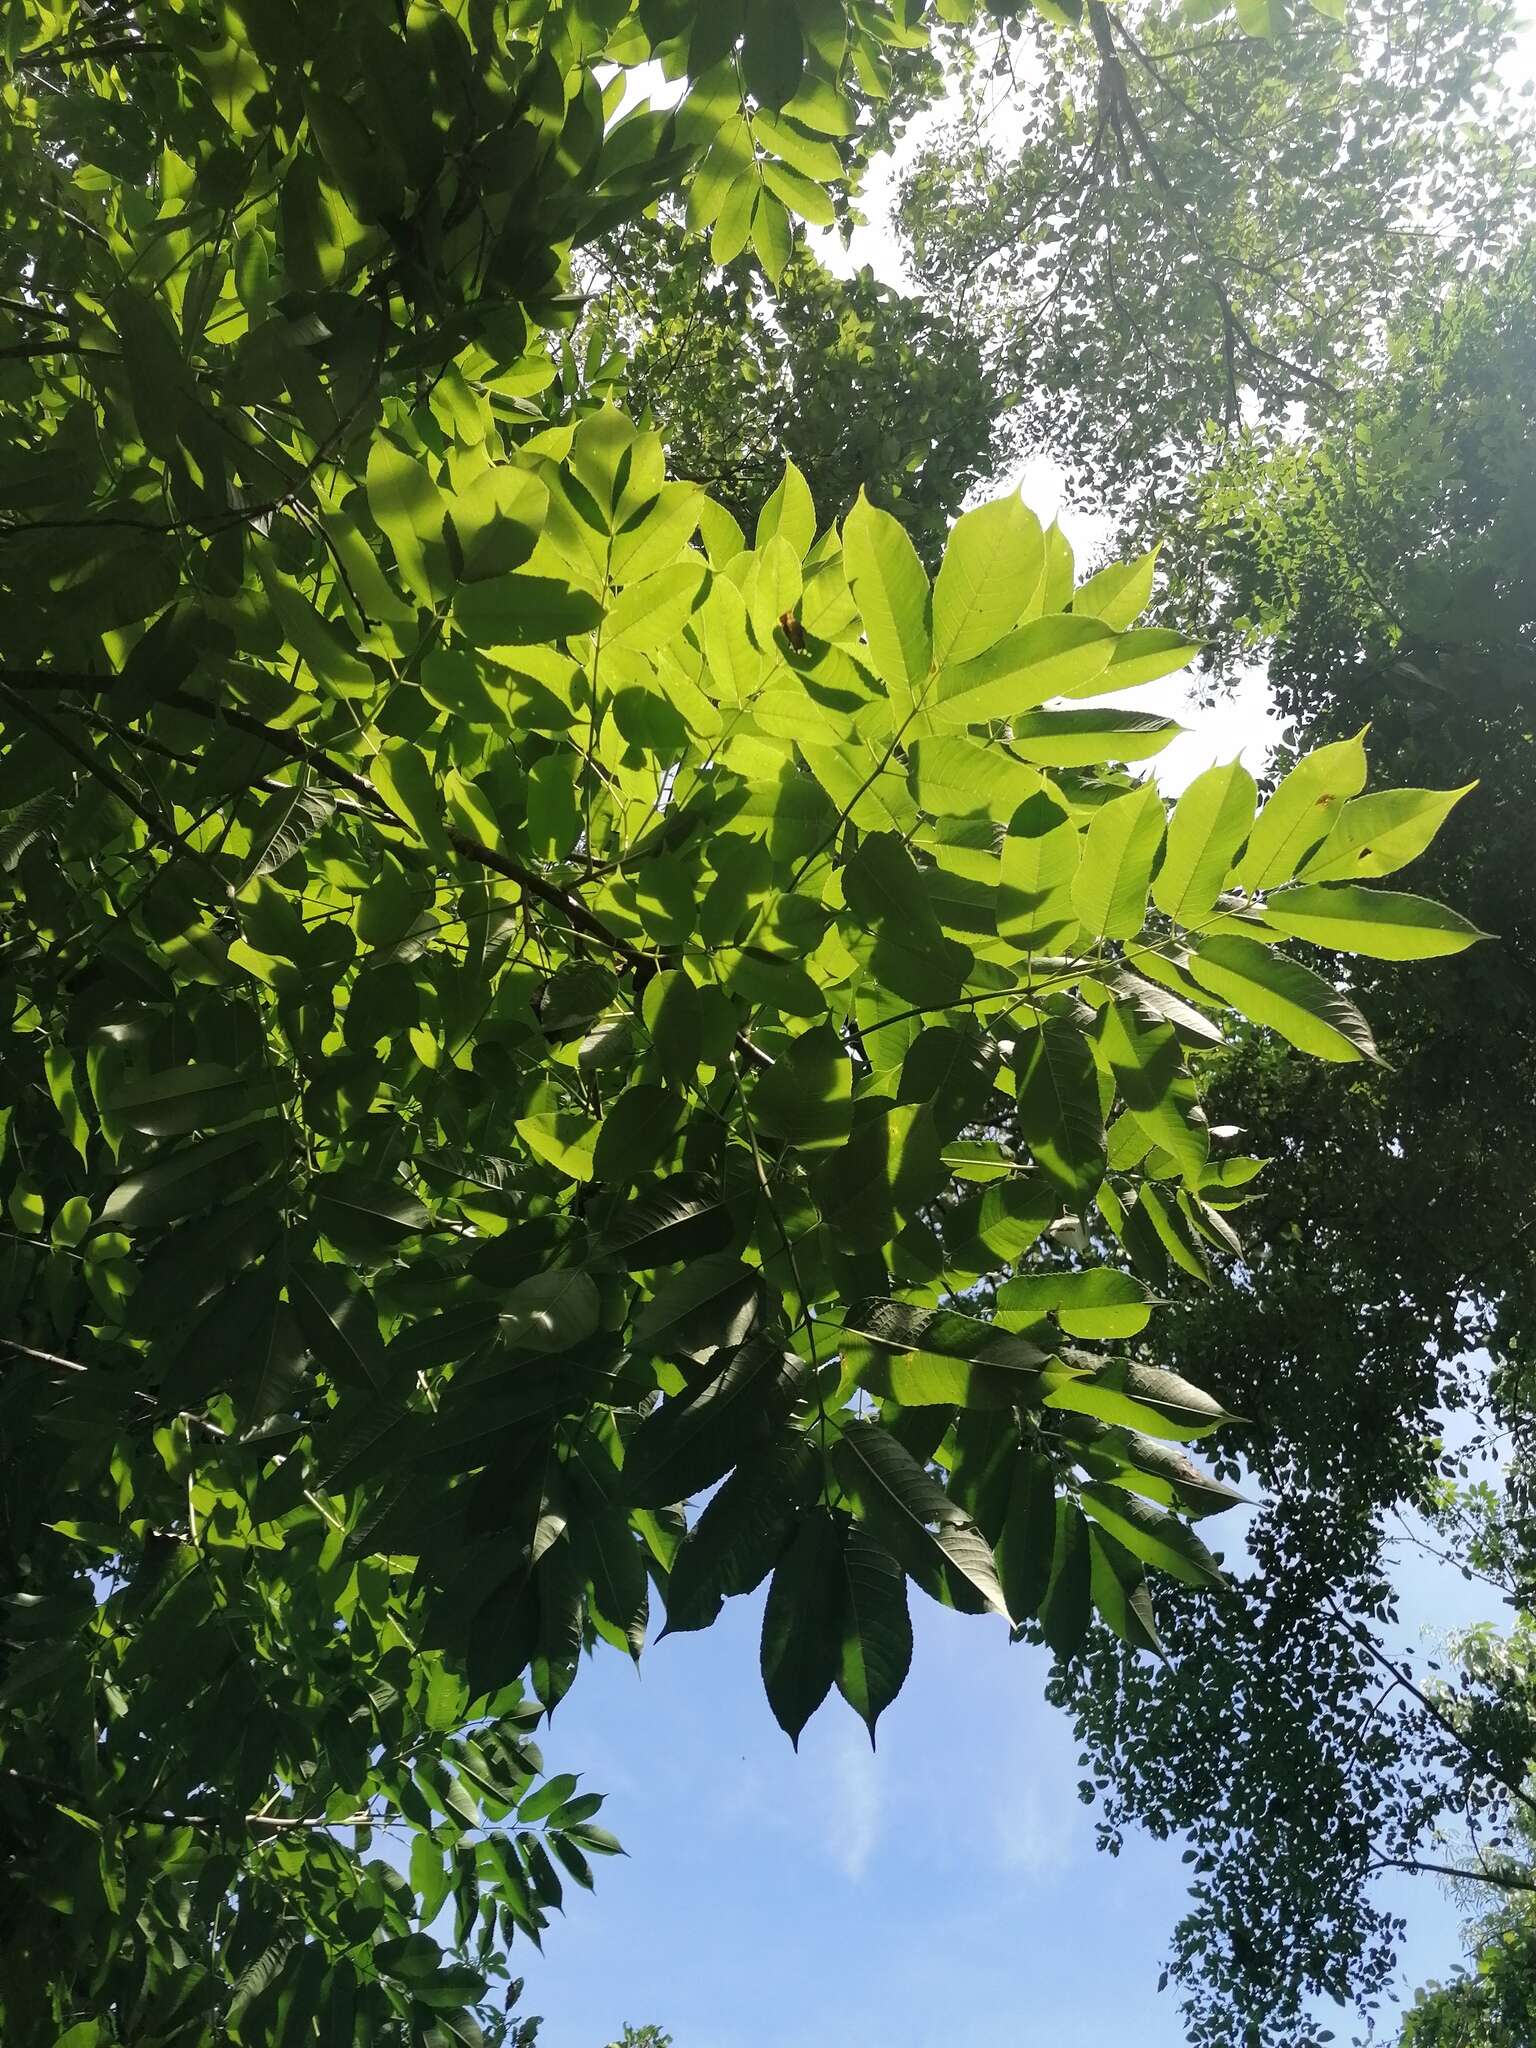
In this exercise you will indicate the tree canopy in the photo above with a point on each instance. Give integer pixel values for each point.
(1384, 572)
(536, 999)
(1177, 229)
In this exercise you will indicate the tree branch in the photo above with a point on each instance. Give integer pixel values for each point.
(1506, 1881)
(1115, 90)
(1367, 1642)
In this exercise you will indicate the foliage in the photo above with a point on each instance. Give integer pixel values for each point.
(524, 1007)
(1387, 570)
(644, 2037)
(1177, 230)
(1492, 2004)
(862, 387)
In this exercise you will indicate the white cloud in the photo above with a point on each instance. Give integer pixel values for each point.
(1033, 1822)
(852, 1799)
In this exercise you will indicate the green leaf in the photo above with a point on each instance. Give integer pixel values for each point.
(1015, 1214)
(1268, 988)
(1059, 570)
(773, 54)
(381, 1210)
(454, 1985)
(677, 1218)
(523, 611)
(937, 1357)
(258, 1977)
(798, 193)
(722, 536)
(340, 1326)
(499, 1865)
(1380, 923)
(1164, 1473)
(773, 981)
(649, 721)
(802, 1623)
(883, 884)
(790, 513)
(1379, 833)
(653, 611)
(1302, 812)
(954, 777)
(574, 1811)
(551, 1311)
(612, 1560)
(549, 1797)
(1143, 1397)
(1152, 1535)
(712, 1303)
(911, 957)
(891, 591)
(1026, 1548)
(890, 1167)
(906, 1511)
(1082, 739)
(1144, 655)
(806, 1099)
(405, 782)
(566, 1140)
(1058, 1106)
(1098, 1303)
(1264, 19)
(695, 1438)
(772, 234)
(1148, 1065)
(288, 821)
(993, 563)
(597, 1841)
(204, 1097)
(497, 519)
(733, 225)
(876, 802)
(409, 508)
(732, 1547)
(1209, 826)
(414, 1958)
(1051, 657)
(554, 815)
(1041, 855)
(1174, 1227)
(951, 1069)
(1119, 849)
(194, 1178)
(876, 1627)
(638, 1132)
(1120, 1592)
(673, 1014)
(1119, 594)
(1067, 1603)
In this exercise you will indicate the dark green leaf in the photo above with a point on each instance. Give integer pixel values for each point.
(1067, 1604)
(876, 1628)
(1058, 1106)
(695, 1438)
(910, 1514)
(732, 1546)
(802, 1631)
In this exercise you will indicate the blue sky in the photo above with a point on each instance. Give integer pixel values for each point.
(945, 1888)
